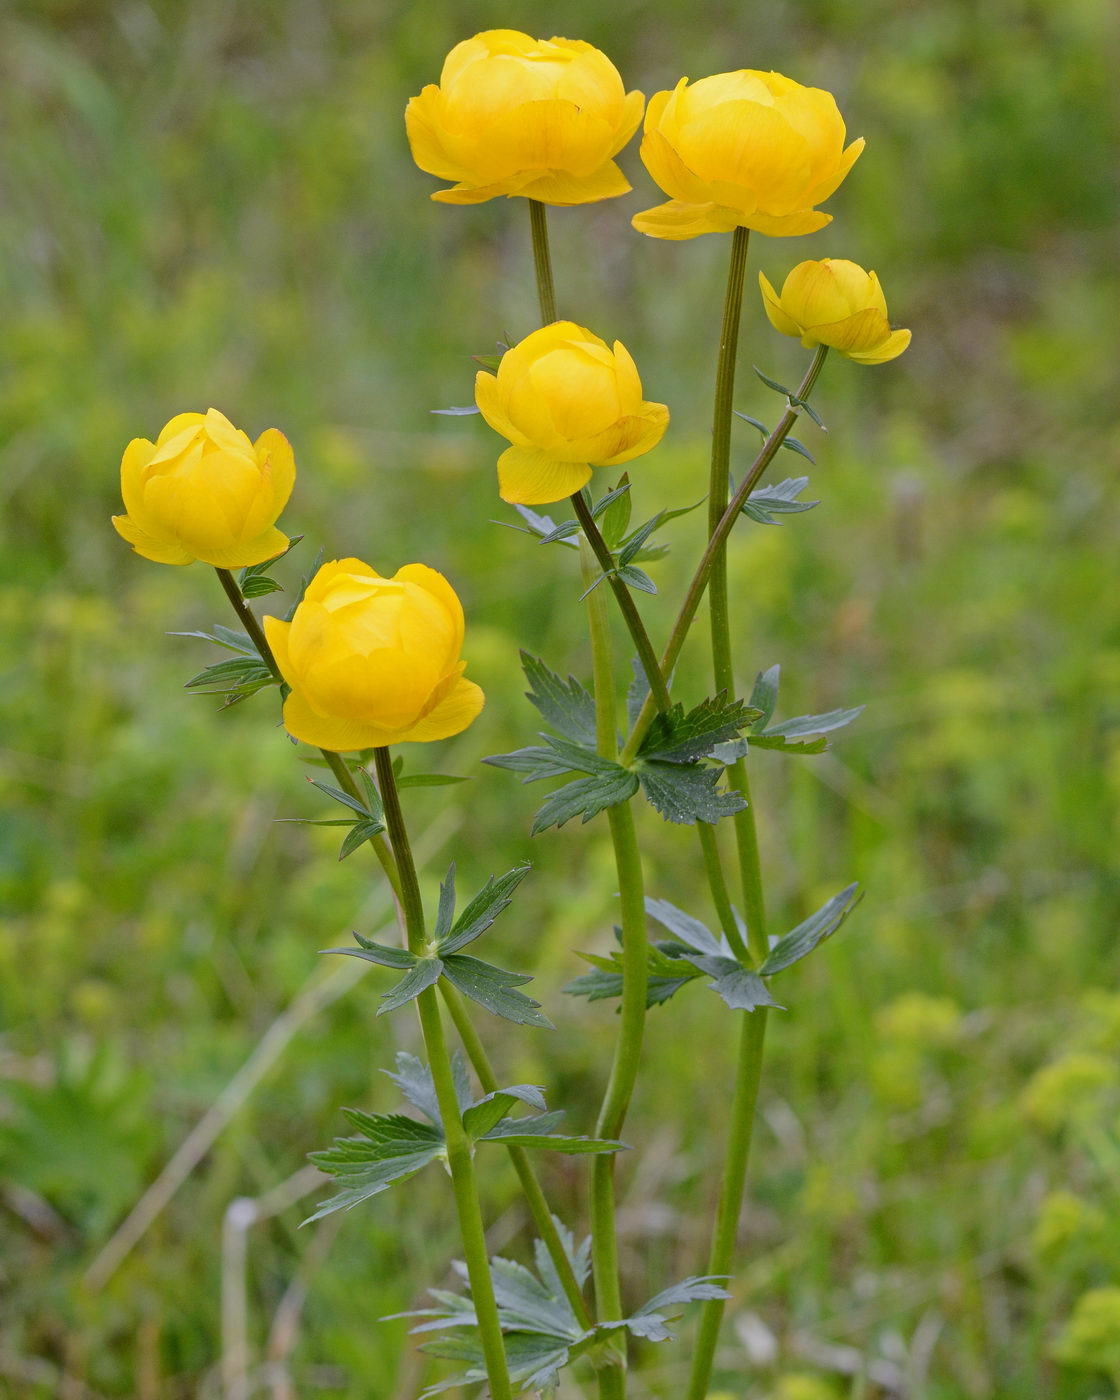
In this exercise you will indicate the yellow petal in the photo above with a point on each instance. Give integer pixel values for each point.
(433, 582)
(337, 735)
(772, 305)
(460, 707)
(276, 635)
(479, 194)
(669, 170)
(241, 554)
(628, 380)
(179, 424)
(676, 221)
(890, 349)
(639, 434)
(161, 551)
(528, 477)
(828, 184)
(422, 120)
(824, 292)
(274, 447)
(752, 146)
(136, 457)
(787, 225)
(562, 189)
(488, 399)
(628, 122)
(330, 572)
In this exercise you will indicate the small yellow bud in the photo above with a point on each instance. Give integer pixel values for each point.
(567, 402)
(834, 302)
(374, 661)
(513, 115)
(743, 150)
(204, 491)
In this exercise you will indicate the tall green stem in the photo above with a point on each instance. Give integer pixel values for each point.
(632, 1016)
(542, 261)
(460, 1161)
(752, 1032)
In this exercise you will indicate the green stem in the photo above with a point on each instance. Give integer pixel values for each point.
(519, 1157)
(628, 1046)
(716, 543)
(542, 261)
(722, 1254)
(626, 605)
(460, 1160)
(248, 619)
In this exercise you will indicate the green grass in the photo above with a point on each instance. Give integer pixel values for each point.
(214, 204)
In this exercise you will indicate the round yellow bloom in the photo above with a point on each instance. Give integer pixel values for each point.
(747, 149)
(567, 402)
(374, 661)
(834, 302)
(204, 491)
(512, 115)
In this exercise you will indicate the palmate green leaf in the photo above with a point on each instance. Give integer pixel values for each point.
(766, 502)
(488, 1111)
(240, 674)
(544, 527)
(650, 1323)
(360, 832)
(804, 725)
(260, 587)
(536, 1133)
(801, 941)
(391, 1148)
(566, 705)
(494, 989)
(370, 1179)
(614, 510)
(586, 798)
(380, 953)
(414, 1079)
(536, 762)
(677, 736)
(686, 793)
(667, 972)
(764, 696)
(636, 578)
(225, 637)
(684, 927)
(480, 913)
(534, 1361)
(355, 805)
(424, 973)
(740, 988)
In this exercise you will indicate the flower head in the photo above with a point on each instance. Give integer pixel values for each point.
(567, 402)
(513, 115)
(374, 661)
(834, 302)
(204, 491)
(743, 150)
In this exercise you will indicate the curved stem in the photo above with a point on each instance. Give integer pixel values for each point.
(248, 620)
(716, 543)
(460, 1160)
(722, 1253)
(542, 261)
(628, 1046)
(626, 604)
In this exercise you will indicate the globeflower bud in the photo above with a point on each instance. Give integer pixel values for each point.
(567, 402)
(512, 115)
(204, 491)
(834, 302)
(743, 150)
(374, 661)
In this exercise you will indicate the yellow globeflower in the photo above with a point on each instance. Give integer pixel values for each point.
(747, 149)
(834, 302)
(374, 661)
(204, 491)
(567, 402)
(512, 115)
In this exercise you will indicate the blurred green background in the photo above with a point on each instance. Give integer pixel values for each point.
(213, 203)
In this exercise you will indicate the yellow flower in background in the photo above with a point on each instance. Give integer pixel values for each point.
(743, 150)
(512, 115)
(567, 402)
(834, 302)
(374, 661)
(204, 491)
